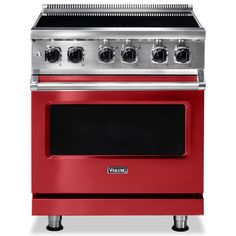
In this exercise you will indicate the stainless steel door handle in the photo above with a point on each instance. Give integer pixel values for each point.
(51, 86)
(115, 86)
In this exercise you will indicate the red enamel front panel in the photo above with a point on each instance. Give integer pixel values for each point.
(115, 78)
(117, 206)
(88, 174)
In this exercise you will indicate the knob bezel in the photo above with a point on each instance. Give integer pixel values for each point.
(177, 49)
(123, 49)
(50, 48)
(75, 48)
(154, 51)
(101, 49)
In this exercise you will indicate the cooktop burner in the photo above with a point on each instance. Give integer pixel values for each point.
(171, 19)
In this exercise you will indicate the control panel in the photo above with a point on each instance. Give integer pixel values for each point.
(84, 56)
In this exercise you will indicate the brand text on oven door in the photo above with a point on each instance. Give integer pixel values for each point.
(117, 170)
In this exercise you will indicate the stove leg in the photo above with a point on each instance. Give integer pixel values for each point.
(54, 223)
(180, 223)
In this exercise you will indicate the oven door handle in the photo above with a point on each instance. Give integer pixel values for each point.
(115, 86)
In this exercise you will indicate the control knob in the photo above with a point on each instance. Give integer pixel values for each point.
(106, 54)
(159, 55)
(52, 54)
(182, 55)
(75, 54)
(129, 54)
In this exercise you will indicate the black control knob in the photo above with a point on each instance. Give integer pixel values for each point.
(75, 54)
(129, 55)
(182, 55)
(106, 54)
(159, 55)
(52, 54)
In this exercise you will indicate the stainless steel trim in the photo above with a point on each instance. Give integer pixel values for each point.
(115, 86)
(123, 33)
(116, 72)
(58, 9)
(201, 79)
(34, 83)
(36, 22)
(199, 24)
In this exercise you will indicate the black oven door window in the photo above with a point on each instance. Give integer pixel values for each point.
(117, 129)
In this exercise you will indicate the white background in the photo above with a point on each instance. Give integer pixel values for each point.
(16, 19)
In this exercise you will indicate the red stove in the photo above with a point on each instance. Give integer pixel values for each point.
(117, 112)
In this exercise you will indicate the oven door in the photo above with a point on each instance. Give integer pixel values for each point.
(117, 141)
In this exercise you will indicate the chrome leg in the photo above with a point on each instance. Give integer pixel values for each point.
(54, 223)
(180, 223)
